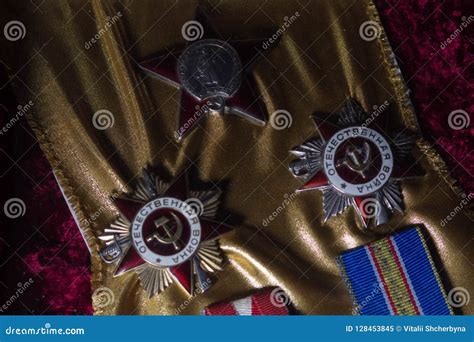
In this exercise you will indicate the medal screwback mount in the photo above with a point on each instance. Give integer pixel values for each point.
(166, 233)
(354, 163)
(214, 76)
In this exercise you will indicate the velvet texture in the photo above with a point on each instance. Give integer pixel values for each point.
(438, 73)
(43, 248)
(61, 273)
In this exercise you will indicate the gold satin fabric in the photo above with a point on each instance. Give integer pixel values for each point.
(321, 60)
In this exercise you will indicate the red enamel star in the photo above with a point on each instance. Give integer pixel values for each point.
(354, 163)
(214, 74)
(166, 233)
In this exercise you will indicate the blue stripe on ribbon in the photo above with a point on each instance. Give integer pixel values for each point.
(364, 283)
(361, 277)
(422, 276)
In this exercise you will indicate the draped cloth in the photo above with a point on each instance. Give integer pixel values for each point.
(79, 60)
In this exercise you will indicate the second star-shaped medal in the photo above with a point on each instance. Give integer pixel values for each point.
(354, 164)
(166, 233)
(214, 75)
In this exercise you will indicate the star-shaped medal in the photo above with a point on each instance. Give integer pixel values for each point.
(166, 233)
(213, 73)
(354, 164)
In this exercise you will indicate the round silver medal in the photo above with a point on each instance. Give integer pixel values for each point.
(166, 232)
(358, 161)
(210, 68)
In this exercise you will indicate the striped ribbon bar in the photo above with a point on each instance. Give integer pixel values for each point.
(267, 302)
(394, 276)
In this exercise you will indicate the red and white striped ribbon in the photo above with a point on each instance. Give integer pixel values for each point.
(272, 301)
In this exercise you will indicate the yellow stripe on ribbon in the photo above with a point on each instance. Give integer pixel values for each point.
(393, 278)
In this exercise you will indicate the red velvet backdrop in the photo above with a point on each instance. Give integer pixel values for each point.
(50, 249)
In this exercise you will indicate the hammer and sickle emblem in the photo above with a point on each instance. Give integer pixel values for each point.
(357, 159)
(170, 237)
